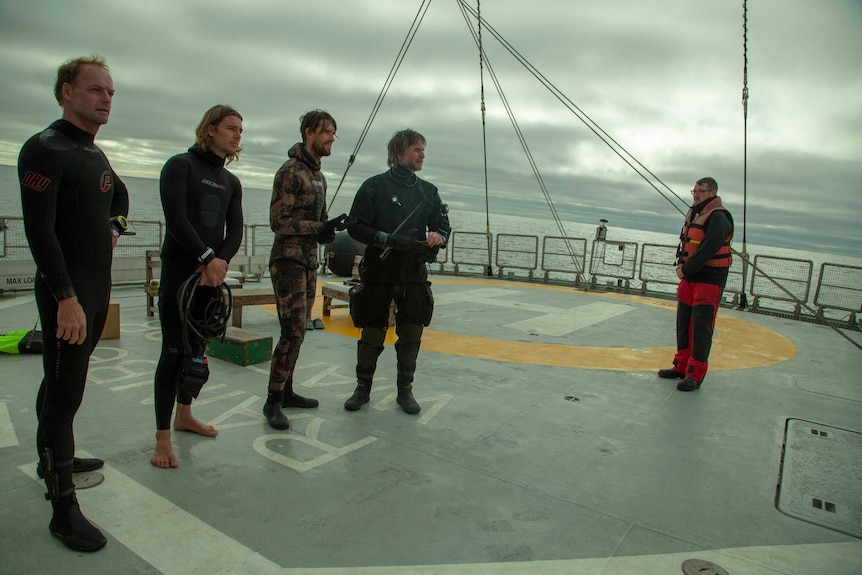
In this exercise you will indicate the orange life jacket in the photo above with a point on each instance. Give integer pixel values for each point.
(693, 234)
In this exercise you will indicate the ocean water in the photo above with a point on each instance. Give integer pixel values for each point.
(145, 205)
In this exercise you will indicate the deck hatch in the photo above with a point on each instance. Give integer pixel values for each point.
(821, 476)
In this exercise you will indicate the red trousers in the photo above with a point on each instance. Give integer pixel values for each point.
(697, 305)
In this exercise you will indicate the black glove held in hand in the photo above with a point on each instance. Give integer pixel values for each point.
(327, 232)
(401, 242)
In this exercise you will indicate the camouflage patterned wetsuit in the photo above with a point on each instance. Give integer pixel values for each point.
(296, 214)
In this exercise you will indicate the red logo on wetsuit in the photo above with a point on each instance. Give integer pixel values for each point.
(107, 182)
(36, 182)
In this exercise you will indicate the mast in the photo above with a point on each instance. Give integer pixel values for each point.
(488, 236)
(744, 118)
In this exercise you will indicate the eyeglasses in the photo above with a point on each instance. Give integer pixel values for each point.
(693, 192)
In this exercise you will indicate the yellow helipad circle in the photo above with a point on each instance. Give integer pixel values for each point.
(738, 344)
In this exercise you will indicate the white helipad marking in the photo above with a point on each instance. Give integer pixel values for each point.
(159, 532)
(553, 321)
(563, 321)
(8, 437)
(148, 525)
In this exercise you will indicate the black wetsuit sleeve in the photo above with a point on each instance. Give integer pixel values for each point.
(120, 201)
(718, 228)
(173, 188)
(234, 222)
(40, 175)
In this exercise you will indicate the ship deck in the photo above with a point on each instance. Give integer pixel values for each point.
(546, 444)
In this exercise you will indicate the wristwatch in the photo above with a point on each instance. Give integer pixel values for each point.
(206, 257)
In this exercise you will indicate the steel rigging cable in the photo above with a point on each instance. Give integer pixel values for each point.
(414, 27)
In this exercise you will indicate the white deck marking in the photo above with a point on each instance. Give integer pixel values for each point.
(18, 300)
(563, 321)
(144, 522)
(8, 437)
(554, 321)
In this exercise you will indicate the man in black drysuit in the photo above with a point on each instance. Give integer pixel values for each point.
(74, 208)
(202, 201)
(403, 222)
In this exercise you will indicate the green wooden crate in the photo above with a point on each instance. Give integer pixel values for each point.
(241, 347)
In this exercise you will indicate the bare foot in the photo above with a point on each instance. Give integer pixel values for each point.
(163, 456)
(185, 421)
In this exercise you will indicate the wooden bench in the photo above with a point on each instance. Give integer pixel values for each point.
(241, 347)
(334, 291)
(250, 296)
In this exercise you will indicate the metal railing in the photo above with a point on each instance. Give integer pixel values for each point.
(778, 285)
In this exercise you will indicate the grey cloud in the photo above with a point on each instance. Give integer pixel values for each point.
(663, 77)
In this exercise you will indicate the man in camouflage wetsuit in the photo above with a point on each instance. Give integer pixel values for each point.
(297, 215)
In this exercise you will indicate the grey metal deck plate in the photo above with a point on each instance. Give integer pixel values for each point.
(821, 476)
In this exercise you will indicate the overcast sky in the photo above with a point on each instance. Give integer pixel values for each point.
(662, 77)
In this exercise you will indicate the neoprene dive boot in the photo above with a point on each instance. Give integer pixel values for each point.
(366, 364)
(360, 396)
(272, 410)
(406, 352)
(405, 399)
(68, 524)
(293, 399)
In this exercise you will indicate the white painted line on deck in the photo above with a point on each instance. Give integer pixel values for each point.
(18, 300)
(564, 321)
(161, 533)
(176, 543)
(8, 437)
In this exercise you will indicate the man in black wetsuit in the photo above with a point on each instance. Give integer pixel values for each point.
(403, 223)
(74, 208)
(202, 202)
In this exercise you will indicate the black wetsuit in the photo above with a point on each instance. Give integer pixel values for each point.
(202, 202)
(69, 193)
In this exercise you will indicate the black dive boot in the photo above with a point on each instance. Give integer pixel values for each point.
(360, 396)
(366, 365)
(406, 352)
(68, 524)
(292, 399)
(71, 527)
(272, 410)
(405, 399)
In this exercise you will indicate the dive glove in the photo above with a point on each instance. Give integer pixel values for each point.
(327, 232)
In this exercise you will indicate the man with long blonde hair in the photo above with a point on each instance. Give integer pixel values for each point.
(202, 202)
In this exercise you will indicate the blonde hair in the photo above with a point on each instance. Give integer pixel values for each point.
(213, 117)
